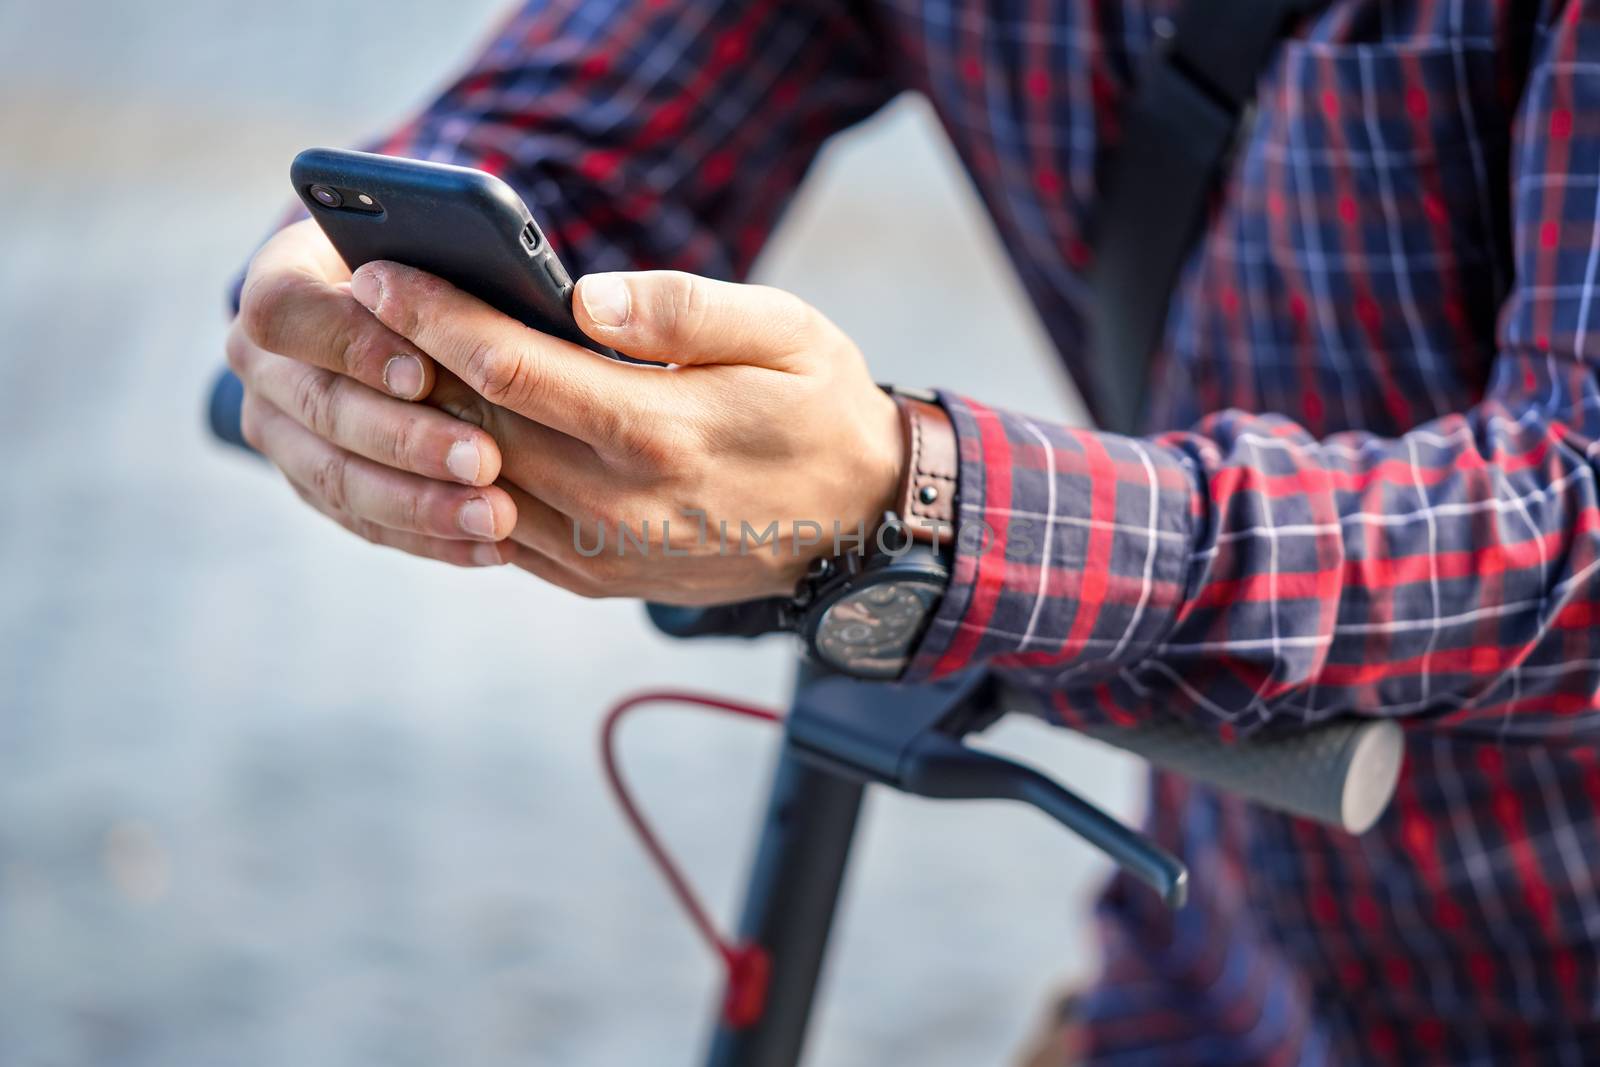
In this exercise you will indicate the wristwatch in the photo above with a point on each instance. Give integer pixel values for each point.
(863, 613)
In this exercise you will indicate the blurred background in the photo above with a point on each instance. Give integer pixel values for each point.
(270, 795)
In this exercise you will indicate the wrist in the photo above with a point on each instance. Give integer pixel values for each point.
(880, 463)
(863, 613)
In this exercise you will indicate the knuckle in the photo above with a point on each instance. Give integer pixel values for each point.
(358, 357)
(644, 446)
(329, 480)
(480, 367)
(499, 378)
(413, 511)
(683, 305)
(316, 400)
(410, 512)
(399, 441)
(646, 438)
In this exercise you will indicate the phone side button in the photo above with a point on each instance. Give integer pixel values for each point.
(556, 272)
(559, 282)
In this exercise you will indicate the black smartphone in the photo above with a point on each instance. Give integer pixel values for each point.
(465, 226)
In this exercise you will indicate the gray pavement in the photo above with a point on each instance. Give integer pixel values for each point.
(269, 795)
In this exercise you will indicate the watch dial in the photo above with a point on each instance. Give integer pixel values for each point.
(870, 632)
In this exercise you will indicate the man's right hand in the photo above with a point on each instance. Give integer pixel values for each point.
(330, 398)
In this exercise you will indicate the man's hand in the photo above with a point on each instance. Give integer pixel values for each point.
(329, 397)
(766, 416)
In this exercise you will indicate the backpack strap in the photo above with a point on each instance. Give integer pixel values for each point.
(1179, 127)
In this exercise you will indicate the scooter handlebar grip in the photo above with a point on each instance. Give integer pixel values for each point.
(1341, 773)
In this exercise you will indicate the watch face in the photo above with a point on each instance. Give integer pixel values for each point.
(870, 632)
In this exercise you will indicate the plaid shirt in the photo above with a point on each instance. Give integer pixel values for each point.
(1374, 491)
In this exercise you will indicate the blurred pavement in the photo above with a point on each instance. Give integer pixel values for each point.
(269, 795)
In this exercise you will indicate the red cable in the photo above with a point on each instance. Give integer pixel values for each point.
(748, 966)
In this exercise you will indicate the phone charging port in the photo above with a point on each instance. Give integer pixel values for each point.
(530, 237)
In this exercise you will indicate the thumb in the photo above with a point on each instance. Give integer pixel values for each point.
(671, 317)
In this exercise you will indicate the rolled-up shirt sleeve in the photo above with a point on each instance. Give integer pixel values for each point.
(1246, 572)
(1071, 548)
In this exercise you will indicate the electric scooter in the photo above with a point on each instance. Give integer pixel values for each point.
(841, 736)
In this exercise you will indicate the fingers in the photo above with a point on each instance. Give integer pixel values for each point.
(541, 566)
(366, 491)
(391, 432)
(459, 553)
(547, 463)
(550, 532)
(673, 317)
(542, 378)
(292, 306)
(542, 545)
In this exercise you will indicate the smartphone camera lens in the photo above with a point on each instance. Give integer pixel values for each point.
(325, 196)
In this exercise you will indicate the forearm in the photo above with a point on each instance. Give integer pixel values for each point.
(1245, 573)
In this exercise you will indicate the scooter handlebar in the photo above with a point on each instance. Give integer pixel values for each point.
(1341, 773)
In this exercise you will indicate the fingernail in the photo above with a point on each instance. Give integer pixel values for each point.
(476, 519)
(487, 555)
(605, 298)
(366, 288)
(463, 461)
(402, 376)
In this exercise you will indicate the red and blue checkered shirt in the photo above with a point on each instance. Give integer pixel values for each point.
(1371, 489)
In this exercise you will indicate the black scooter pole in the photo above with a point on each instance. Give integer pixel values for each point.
(793, 887)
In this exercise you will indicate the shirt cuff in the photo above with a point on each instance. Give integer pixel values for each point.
(1072, 549)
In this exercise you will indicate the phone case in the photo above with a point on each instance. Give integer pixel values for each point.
(465, 226)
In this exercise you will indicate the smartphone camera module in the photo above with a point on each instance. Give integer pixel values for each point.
(326, 196)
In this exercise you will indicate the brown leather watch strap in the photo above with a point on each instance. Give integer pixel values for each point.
(927, 497)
